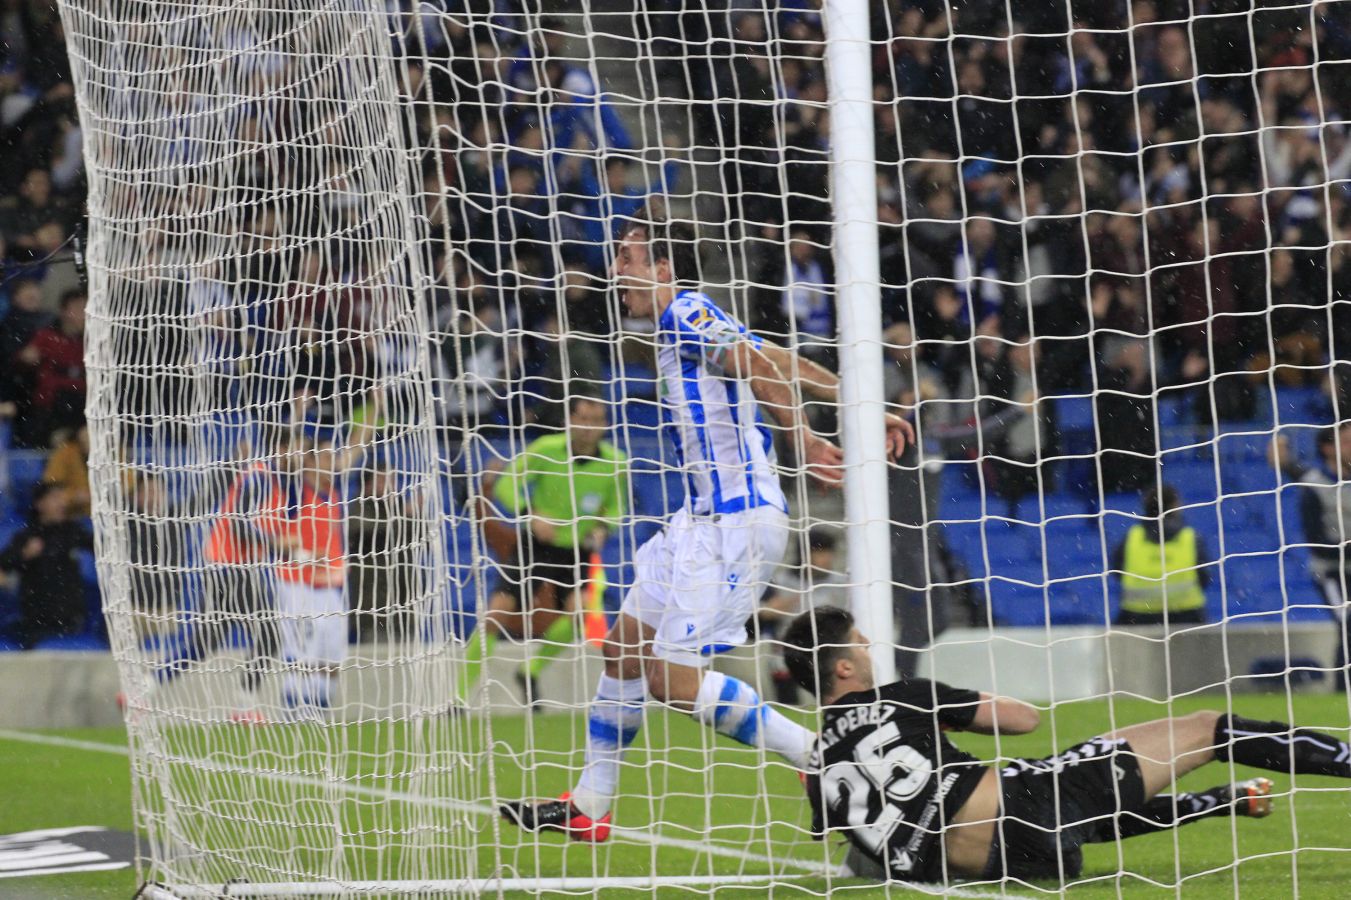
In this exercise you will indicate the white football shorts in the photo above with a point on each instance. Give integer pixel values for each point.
(698, 580)
(313, 624)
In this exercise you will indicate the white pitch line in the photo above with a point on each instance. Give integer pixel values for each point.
(443, 887)
(52, 740)
(629, 834)
(634, 835)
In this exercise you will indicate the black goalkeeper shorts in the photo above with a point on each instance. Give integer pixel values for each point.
(1051, 807)
(538, 565)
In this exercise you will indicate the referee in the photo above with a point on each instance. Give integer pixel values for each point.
(567, 491)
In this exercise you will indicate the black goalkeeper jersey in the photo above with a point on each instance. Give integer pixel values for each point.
(883, 773)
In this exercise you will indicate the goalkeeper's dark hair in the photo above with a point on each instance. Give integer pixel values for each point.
(812, 644)
(668, 239)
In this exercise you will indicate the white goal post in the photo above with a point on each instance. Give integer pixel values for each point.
(352, 306)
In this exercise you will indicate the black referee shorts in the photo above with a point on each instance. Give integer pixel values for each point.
(1051, 807)
(536, 566)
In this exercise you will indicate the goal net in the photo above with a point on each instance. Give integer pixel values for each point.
(354, 344)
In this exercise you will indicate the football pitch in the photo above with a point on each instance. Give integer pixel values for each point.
(679, 818)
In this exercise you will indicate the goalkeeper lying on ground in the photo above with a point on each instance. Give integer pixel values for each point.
(912, 803)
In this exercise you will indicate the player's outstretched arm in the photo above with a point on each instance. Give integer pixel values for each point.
(820, 383)
(1004, 715)
(822, 458)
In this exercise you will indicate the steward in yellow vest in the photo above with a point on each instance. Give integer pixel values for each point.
(1161, 573)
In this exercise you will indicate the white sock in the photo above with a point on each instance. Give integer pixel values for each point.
(613, 721)
(733, 708)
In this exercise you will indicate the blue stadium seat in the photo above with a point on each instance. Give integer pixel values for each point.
(635, 380)
(1249, 476)
(959, 479)
(1080, 602)
(1272, 671)
(25, 471)
(1243, 447)
(1058, 504)
(642, 416)
(1299, 406)
(1193, 480)
(964, 540)
(1074, 414)
(1075, 564)
(1012, 545)
(1017, 604)
(1309, 611)
(72, 643)
(1252, 584)
(1174, 411)
(965, 507)
(1122, 502)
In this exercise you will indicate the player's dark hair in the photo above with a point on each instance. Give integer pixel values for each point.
(40, 491)
(812, 644)
(674, 241)
(822, 537)
(1163, 500)
(586, 396)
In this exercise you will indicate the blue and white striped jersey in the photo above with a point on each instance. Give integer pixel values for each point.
(712, 418)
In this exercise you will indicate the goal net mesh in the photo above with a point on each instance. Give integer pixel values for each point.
(348, 260)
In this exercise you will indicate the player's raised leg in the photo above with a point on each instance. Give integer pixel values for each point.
(614, 719)
(1167, 749)
(1250, 799)
(730, 707)
(721, 567)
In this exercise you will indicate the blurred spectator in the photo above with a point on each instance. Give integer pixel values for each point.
(795, 298)
(55, 356)
(567, 365)
(1162, 564)
(33, 206)
(1298, 323)
(25, 318)
(1124, 405)
(907, 381)
(44, 556)
(924, 579)
(1325, 512)
(1017, 455)
(380, 546)
(979, 266)
(475, 363)
(155, 552)
(591, 208)
(68, 469)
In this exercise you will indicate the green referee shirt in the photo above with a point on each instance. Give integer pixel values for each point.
(576, 495)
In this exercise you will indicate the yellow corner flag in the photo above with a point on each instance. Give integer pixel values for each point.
(595, 605)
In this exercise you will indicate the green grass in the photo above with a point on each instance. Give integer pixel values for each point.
(738, 805)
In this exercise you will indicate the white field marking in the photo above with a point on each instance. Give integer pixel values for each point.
(481, 886)
(90, 867)
(642, 837)
(473, 885)
(629, 834)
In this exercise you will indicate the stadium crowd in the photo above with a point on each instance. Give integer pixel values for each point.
(1135, 202)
